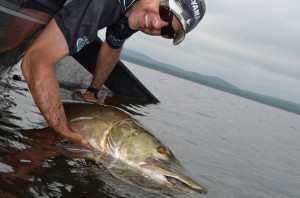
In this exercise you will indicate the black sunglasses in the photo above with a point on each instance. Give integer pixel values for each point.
(166, 15)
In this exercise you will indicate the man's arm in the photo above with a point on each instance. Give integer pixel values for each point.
(106, 61)
(37, 68)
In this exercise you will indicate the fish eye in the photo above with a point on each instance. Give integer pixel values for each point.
(163, 150)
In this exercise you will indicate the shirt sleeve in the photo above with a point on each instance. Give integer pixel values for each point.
(118, 32)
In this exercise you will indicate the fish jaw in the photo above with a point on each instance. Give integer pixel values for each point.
(172, 175)
(186, 184)
(139, 149)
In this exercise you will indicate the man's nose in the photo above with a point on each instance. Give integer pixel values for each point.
(160, 24)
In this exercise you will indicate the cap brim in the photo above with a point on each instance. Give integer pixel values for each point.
(177, 11)
(179, 37)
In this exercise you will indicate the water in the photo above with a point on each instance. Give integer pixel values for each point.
(234, 147)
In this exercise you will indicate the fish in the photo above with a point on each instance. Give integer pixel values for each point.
(130, 152)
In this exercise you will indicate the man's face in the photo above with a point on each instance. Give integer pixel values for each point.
(144, 16)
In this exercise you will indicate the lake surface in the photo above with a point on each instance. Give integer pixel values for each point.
(235, 147)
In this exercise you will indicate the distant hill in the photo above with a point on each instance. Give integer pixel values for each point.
(210, 81)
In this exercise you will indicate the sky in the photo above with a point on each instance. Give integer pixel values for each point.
(254, 45)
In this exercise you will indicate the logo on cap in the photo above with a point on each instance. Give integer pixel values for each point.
(196, 10)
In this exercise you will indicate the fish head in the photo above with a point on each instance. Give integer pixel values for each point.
(165, 168)
(156, 162)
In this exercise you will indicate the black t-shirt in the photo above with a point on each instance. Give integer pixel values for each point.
(80, 20)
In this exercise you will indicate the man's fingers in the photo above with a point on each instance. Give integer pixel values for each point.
(80, 139)
(77, 95)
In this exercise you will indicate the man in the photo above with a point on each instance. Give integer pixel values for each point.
(76, 25)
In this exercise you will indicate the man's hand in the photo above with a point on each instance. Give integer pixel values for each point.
(76, 137)
(89, 96)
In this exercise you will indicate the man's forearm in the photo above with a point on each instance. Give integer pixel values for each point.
(45, 91)
(106, 61)
(44, 88)
(37, 67)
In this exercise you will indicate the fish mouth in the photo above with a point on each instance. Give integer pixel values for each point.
(185, 186)
(174, 176)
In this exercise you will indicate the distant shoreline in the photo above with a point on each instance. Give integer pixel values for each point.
(210, 81)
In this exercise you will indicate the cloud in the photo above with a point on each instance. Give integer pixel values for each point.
(236, 37)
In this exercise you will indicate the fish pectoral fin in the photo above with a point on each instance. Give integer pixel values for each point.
(78, 150)
(82, 153)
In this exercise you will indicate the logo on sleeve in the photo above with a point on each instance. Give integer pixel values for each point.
(81, 42)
